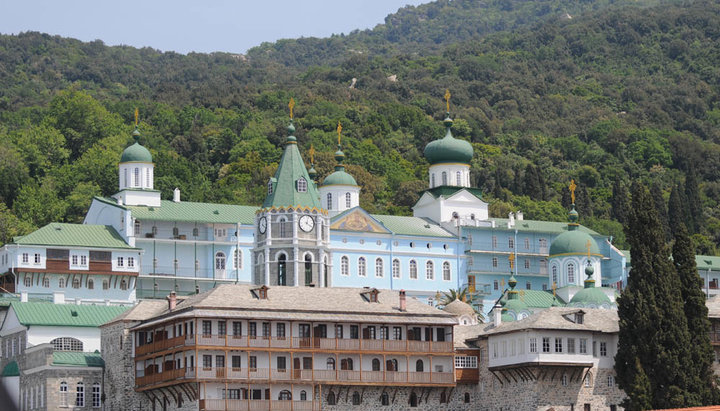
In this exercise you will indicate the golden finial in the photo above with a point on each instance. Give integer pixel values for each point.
(136, 116)
(554, 288)
(522, 295)
(447, 100)
(292, 106)
(512, 261)
(312, 154)
(572, 188)
(588, 245)
(502, 283)
(339, 131)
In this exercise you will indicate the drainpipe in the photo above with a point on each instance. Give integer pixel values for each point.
(237, 253)
(392, 249)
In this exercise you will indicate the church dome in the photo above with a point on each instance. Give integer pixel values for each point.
(136, 153)
(573, 242)
(459, 308)
(448, 149)
(591, 297)
(339, 177)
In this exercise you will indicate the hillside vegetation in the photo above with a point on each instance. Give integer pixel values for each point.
(601, 92)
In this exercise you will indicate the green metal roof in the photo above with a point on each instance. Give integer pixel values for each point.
(74, 235)
(707, 262)
(136, 152)
(77, 359)
(291, 169)
(448, 149)
(573, 242)
(404, 225)
(591, 297)
(187, 211)
(339, 177)
(537, 299)
(555, 227)
(65, 314)
(447, 191)
(11, 370)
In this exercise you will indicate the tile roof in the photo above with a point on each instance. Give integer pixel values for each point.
(463, 333)
(188, 211)
(64, 314)
(555, 227)
(141, 311)
(74, 235)
(406, 225)
(77, 359)
(553, 318)
(321, 304)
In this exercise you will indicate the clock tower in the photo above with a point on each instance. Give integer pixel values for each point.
(292, 229)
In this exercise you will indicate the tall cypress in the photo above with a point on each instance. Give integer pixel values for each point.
(701, 390)
(620, 202)
(657, 195)
(653, 327)
(693, 205)
(676, 212)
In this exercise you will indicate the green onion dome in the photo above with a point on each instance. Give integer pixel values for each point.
(136, 153)
(573, 242)
(448, 149)
(339, 176)
(592, 297)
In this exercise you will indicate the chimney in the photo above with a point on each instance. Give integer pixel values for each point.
(172, 301)
(176, 195)
(519, 215)
(511, 220)
(58, 297)
(497, 313)
(78, 301)
(23, 296)
(403, 301)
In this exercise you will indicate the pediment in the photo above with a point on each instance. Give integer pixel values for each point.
(465, 197)
(357, 219)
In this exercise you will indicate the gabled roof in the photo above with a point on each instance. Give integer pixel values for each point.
(407, 225)
(537, 299)
(449, 191)
(141, 311)
(68, 315)
(77, 359)
(187, 211)
(558, 318)
(357, 219)
(74, 235)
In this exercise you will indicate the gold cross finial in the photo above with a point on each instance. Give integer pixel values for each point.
(554, 288)
(292, 106)
(447, 100)
(339, 131)
(136, 116)
(312, 154)
(512, 261)
(572, 188)
(588, 245)
(502, 283)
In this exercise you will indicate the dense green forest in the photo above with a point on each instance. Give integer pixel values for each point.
(599, 91)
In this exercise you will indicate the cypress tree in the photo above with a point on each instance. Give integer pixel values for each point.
(543, 184)
(532, 183)
(620, 202)
(653, 327)
(700, 374)
(676, 213)
(693, 204)
(657, 195)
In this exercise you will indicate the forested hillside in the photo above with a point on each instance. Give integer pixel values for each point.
(546, 91)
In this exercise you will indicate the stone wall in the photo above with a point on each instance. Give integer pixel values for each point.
(428, 399)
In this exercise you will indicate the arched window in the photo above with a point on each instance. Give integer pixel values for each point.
(270, 187)
(106, 284)
(384, 399)
(80, 394)
(61, 283)
(588, 379)
(308, 269)
(554, 274)
(413, 400)
(27, 281)
(419, 366)
(458, 179)
(76, 283)
(375, 364)
(396, 268)
(467, 398)
(330, 364)
(63, 394)
(285, 395)
(443, 397)
(378, 267)
(432, 180)
(237, 259)
(136, 177)
(346, 364)
(348, 200)
(331, 398)
(260, 259)
(446, 271)
(219, 260)
(329, 201)
(429, 270)
(413, 270)
(282, 222)
(444, 178)
(391, 365)
(282, 269)
(303, 395)
(123, 285)
(67, 344)
(361, 267)
(46, 282)
(302, 185)
(91, 284)
(571, 273)
(356, 398)
(344, 266)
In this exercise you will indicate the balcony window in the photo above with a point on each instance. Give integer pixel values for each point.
(281, 363)
(252, 362)
(397, 333)
(266, 330)
(207, 362)
(330, 364)
(375, 364)
(237, 328)
(280, 330)
(546, 344)
(466, 361)
(419, 366)
(354, 332)
(206, 328)
(222, 326)
(236, 362)
(346, 364)
(338, 331)
(583, 346)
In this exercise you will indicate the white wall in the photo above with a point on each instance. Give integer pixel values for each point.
(451, 170)
(40, 334)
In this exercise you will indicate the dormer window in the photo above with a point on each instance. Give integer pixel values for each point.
(301, 185)
(270, 187)
(579, 317)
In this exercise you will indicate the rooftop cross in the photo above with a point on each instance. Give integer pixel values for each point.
(447, 100)
(339, 131)
(554, 288)
(136, 117)
(312, 154)
(291, 105)
(512, 261)
(572, 188)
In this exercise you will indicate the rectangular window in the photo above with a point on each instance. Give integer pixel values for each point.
(494, 241)
(354, 332)
(494, 262)
(369, 332)
(495, 285)
(207, 328)
(207, 362)
(528, 285)
(281, 362)
(37, 258)
(96, 396)
(571, 345)
(511, 242)
(495, 350)
(527, 243)
(512, 348)
(527, 264)
(546, 344)
(544, 287)
(252, 329)
(466, 361)
(131, 262)
(252, 362)
(237, 328)
(280, 330)
(558, 345)
(222, 328)
(384, 333)
(74, 259)
(236, 362)
(583, 346)
(231, 394)
(397, 333)
(25, 258)
(594, 348)
(219, 361)
(83, 260)
(266, 330)
(504, 349)
(603, 349)
(338, 331)
(120, 261)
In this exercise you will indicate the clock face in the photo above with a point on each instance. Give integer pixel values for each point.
(262, 225)
(306, 223)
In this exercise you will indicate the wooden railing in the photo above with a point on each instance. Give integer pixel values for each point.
(160, 377)
(257, 405)
(160, 345)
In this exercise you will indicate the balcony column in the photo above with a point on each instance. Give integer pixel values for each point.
(385, 368)
(361, 367)
(407, 369)
(312, 370)
(431, 369)
(270, 366)
(226, 395)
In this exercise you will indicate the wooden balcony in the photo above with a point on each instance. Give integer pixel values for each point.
(257, 405)
(467, 375)
(161, 345)
(298, 375)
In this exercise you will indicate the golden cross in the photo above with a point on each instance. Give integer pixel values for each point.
(339, 130)
(512, 261)
(312, 154)
(136, 116)
(588, 245)
(292, 106)
(572, 188)
(502, 283)
(554, 288)
(447, 100)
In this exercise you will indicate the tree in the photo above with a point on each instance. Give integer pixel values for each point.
(693, 204)
(653, 326)
(11, 226)
(661, 208)
(620, 201)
